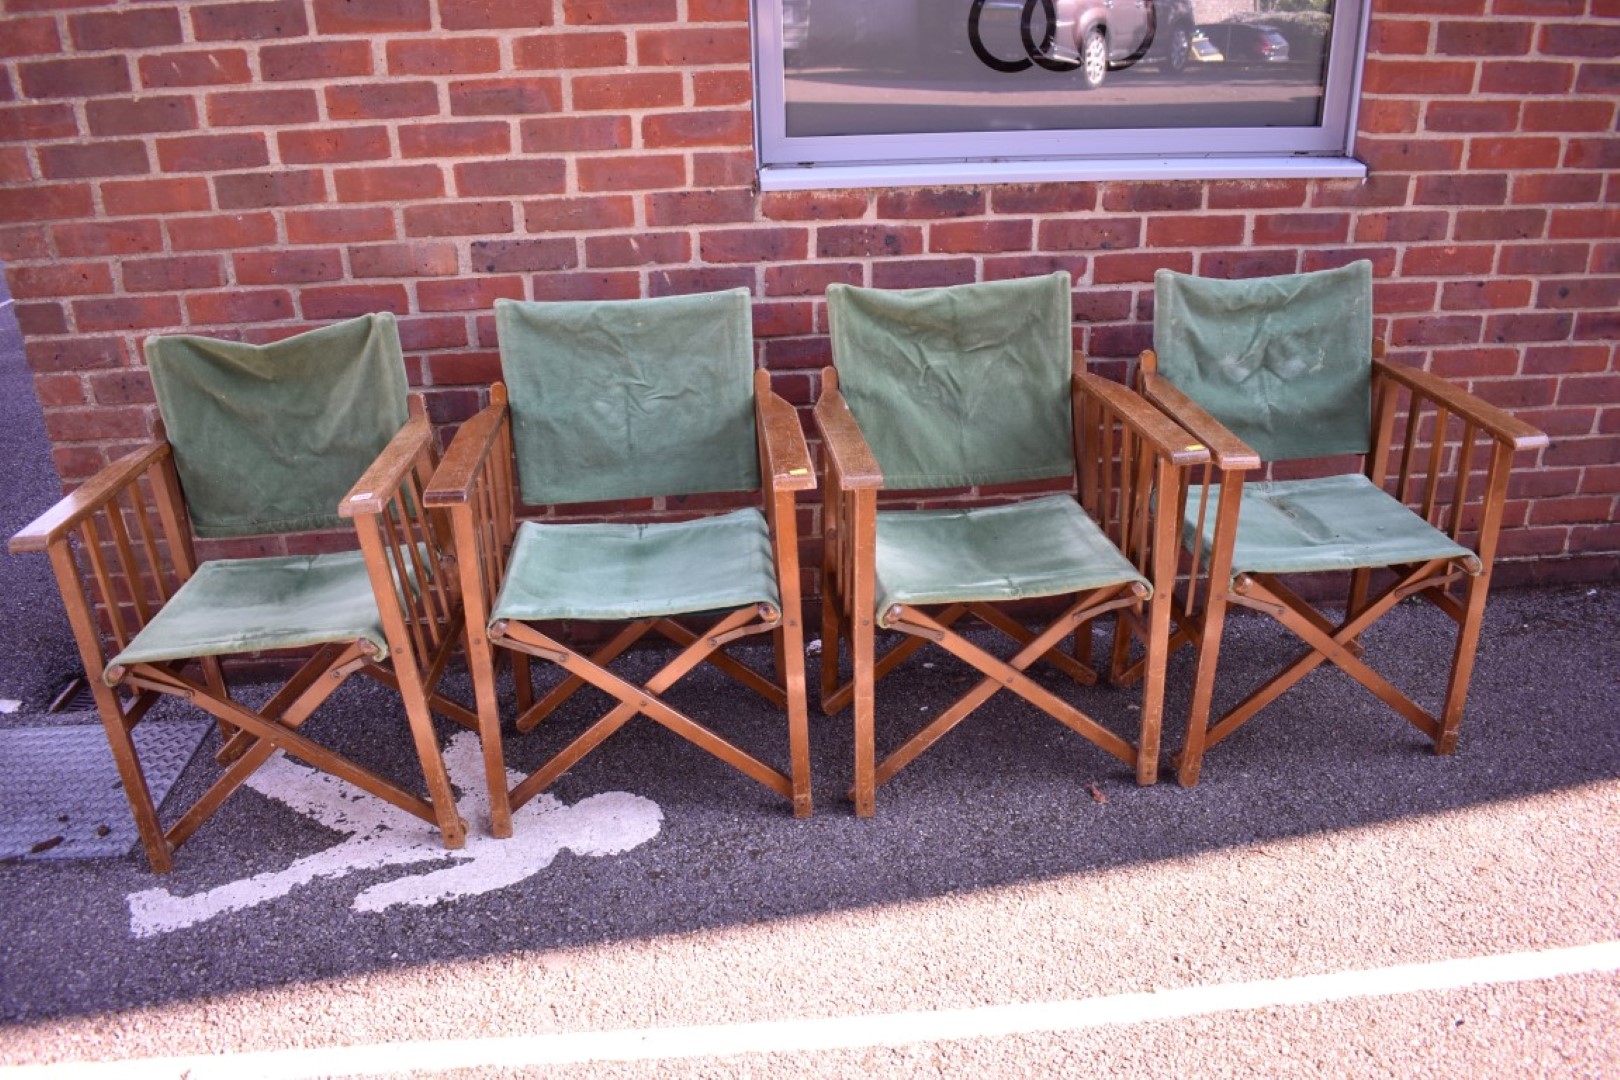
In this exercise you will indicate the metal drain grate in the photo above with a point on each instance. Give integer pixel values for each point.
(60, 797)
(74, 696)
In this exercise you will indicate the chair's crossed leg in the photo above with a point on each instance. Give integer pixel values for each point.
(1338, 644)
(253, 737)
(643, 699)
(1074, 666)
(998, 674)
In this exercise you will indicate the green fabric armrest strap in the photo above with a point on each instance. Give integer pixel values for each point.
(1284, 362)
(269, 438)
(622, 399)
(961, 385)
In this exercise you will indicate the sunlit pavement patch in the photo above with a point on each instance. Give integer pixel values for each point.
(382, 835)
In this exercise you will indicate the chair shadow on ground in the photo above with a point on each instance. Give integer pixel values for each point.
(1009, 796)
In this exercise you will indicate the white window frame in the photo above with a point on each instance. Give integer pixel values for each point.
(789, 163)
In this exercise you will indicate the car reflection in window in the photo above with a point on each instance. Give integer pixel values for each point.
(1090, 37)
(1246, 43)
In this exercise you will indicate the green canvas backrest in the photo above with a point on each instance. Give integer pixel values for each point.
(624, 399)
(962, 385)
(270, 438)
(1284, 362)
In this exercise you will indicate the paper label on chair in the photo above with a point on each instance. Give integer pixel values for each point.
(382, 835)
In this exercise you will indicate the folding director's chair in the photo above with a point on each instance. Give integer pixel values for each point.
(603, 402)
(969, 387)
(282, 438)
(1284, 369)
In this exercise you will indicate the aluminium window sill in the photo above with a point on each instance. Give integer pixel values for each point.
(1041, 171)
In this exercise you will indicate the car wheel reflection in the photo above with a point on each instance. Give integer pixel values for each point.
(1177, 49)
(1094, 58)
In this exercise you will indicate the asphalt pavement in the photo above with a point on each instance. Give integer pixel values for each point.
(39, 648)
(1333, 899)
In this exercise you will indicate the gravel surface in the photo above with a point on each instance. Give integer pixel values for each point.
(34, 631)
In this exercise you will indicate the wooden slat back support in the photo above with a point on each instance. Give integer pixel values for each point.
(119, 540)
(1117, 466)
(1201, 475)
(1435, 457)
(415, 541)
(493, 503)
(1465, 463)
(768, 506)
(405, 560)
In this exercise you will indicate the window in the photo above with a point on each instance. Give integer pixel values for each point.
(875, 92)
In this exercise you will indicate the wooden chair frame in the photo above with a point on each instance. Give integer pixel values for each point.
(129, 525)
(1436, 480)
(476, 484)
(1124, 452)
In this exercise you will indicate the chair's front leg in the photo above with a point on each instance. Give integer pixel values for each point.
(97, 517)
(159, 851)
(861, 583)
(474, 484)
(1462, 664)
(481, 666)
(1211, 625)
(787, 641)
(1166, 554)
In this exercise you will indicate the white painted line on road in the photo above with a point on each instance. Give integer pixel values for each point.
(852, 1032)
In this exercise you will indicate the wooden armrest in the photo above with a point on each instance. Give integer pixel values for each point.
(1163, 434)
(787, 457)
(1500, 425)
(848, 454)
(87, 499)
(453, 480)
(1226, 450)
(379, 483)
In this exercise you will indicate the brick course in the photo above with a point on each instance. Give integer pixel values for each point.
(248, 167)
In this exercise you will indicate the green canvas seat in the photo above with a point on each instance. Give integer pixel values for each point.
(315, 431)
(250, 605)
(968, 387)
(608, 406)
(1286, 369)
(1042, 547)
(615, 570)
(1319, 524)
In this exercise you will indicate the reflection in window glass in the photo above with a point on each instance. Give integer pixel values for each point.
(858, 80)
(858, 68)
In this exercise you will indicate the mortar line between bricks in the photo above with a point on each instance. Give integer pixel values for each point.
(808, 1035)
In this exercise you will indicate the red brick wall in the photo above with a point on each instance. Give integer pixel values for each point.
(249, 168)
